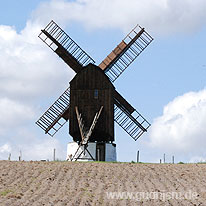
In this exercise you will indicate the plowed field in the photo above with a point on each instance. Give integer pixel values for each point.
(95, 183)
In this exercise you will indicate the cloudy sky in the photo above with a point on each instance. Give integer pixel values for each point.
(166, 83)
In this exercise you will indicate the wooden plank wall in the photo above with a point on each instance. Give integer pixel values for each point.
(82, 89)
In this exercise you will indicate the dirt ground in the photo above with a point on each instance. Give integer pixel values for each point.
(95, 183)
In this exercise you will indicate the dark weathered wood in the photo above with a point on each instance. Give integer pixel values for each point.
(100, 152)
(68, 59)
(66, 115)
(173, 159)
(62, 52)
(118, 98)
(89, 90)
(138, 156)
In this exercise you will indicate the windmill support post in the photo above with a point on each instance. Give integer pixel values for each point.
(90, 150)
(97, 152)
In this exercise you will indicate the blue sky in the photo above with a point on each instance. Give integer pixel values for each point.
(166, 83)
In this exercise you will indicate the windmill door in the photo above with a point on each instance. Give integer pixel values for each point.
(100, 152)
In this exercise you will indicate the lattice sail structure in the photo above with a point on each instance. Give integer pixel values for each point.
(65, 47)
(56, 116)
(134, 124)
(125, 53)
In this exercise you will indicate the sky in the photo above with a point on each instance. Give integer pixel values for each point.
(166, 83)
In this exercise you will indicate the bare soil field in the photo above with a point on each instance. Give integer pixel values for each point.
(100, 183)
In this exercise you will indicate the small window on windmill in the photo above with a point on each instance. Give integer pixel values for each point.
(96, 93)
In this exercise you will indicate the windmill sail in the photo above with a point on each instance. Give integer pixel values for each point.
(118, 99)
(125, 53)
(131, 121)
(57, 115)
(65, 47)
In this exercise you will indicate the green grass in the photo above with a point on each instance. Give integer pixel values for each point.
(201, 163)
(5, 192)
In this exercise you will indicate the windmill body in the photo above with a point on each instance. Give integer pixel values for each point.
(89, 90)
(91, 104)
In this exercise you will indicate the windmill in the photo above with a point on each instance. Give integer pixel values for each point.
(91, 103)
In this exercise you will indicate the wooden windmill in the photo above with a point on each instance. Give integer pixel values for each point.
(91, 103)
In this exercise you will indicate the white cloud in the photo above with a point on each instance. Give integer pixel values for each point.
(5, 148)
(31, 147)
(29, 74)
(181, 129)
(13, 115)
(13, 112)
(43, 150)
(28, 70)
(17, 129)
(158, 16)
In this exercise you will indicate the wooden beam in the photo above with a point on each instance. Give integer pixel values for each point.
(118, 52)
(118, 99)
(68, 59)
(64, 54)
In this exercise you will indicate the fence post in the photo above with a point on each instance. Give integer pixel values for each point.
(138, 156)
(173, 159)
(9, 158)
(20, 155)
(54, 155)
